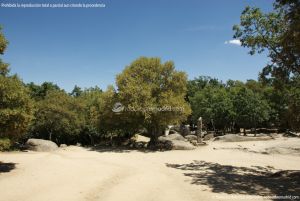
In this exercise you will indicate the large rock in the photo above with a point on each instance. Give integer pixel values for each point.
(181, 145)
(172, 137)
(63, 146)
(174, 142)
(191, 137)
(194, 137)
(41, 145)
(171, 132)
(238, 138)
(208, 136)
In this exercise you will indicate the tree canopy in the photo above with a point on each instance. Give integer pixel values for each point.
(16, 107)
(58, 117)
(4, 70)
(276, 32)
(214, 105)
(154, 93)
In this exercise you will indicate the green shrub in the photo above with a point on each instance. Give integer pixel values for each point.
(5, 144)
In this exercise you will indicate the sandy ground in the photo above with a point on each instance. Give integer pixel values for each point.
(218, 171)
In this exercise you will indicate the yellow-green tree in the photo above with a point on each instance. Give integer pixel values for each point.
(3, 44)
(58, 117)
(16, 107)
(153, 94)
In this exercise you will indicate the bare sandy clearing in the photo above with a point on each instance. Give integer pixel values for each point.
(211, 172)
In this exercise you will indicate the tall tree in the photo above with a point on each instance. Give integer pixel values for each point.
(214, 105)
(154, 94)
(277, 32)
(59, 117)
(251, 108)
(293, 114)
(3, 44)
(92, 99)
(200, 83)
(16, 107)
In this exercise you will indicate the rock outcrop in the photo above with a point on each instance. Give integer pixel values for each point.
(238, 138)
(174, 142)
(41, 145)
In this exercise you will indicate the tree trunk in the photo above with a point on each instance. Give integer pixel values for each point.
(92, 140)
(213, 125)
(154, 134)
(224, 130)
(111, 139)
(50, 135)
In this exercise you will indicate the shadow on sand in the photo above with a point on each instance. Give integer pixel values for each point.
(6, 167)
(261, 181)
(118, 149)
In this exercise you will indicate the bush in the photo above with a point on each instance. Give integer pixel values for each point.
(5, 144)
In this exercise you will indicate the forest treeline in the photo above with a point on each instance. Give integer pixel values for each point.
(86, 115)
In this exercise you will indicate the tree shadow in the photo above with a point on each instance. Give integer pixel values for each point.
(7, 167)
(229, 179)
(118, 149)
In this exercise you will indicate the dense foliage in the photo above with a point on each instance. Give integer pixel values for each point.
(3, 44)
(58, 117)
(214, 105)
(229, 106)
(278, 33)
(16, 107)
(154, 94)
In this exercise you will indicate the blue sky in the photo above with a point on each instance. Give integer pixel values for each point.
(89, 47)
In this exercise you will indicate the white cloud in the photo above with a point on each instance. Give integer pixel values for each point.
(233, 42)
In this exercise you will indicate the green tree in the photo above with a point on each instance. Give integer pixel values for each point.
(38, 92)
(200, 83)
(289, 40)
(76, 92)
(277, 32)
(92, 99)
(154, 94)
(214, 105)
(255, 86)
(278, 102)
(59, 117)
(101, 121)
(112, 124)
(16, 107)
(3, 44)
(293, 113)
(251, 108)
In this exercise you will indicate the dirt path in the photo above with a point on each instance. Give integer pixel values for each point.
(79, 174)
